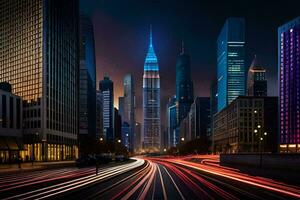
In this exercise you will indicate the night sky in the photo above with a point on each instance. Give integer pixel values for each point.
(121, 29)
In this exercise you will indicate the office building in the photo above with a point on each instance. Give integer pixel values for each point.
(125, 134)
(87, 80)
(106, 87)
(213, 105)
(199, 118)
(256, 82)
(185, 130)
(117, 125)
(99, 116)
(248, 124)
(184, 85)
(129, 107)
(10, 125)
(231, 62)
(289, 86)
(39, 57)
(121, 107)
(138, 137)
(151, 130)
(172, 131)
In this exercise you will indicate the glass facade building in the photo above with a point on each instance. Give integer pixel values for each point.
(289, 86)
(129, 107)
(231, 61)
(184, 85)
(87, 80)
(173, 133)
(151, 130)
(106, 87)
(39, 58)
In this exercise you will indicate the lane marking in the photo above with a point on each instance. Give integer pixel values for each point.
(162, 183)
(181, 195)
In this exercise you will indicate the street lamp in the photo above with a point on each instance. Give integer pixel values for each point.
(265, 133)
(255, 130)
(119, 141)
(182, 139)
(101, 139)
(258, 126)
(165, 149)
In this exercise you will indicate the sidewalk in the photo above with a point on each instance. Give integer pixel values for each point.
(13, 168)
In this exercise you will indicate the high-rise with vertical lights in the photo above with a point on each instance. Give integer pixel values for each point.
(151, 127)
(231, 61)
(172, 130)
(129, 107)
(256, 82)
(106, 87)
(289, 85)
(39, 57)
(184, 85)
(87, 80)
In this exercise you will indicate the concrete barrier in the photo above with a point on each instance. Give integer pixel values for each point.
(274, 161)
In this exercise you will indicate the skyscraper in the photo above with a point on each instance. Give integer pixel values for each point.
(125, 134)
(213, 105)
(137, 131)
(106, 87)
(129, 107)
(117, 125)
(289, 85)
(87, 80)
(200, 118)
(99, 115)
(121, 107)
(151, 129)
(184, 85)
(173, 134)
(256, 82)
(231, 61)
(39, 56)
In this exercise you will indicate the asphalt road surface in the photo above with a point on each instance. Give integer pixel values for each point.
(146, 178)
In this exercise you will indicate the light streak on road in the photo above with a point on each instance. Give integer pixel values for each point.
(56, 189)
(240, 177)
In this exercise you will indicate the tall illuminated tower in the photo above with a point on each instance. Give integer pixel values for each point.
(289, 86)
(231, 62)
(151, 129)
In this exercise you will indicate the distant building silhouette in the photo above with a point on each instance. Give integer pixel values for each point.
(87, 80)
(256, 82)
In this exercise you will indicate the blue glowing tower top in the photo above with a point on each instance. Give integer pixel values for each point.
(151, 63)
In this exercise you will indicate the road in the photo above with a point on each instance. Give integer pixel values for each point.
(147, 178)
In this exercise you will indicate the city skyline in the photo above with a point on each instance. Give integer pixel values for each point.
(199, 116)
(118, 53)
